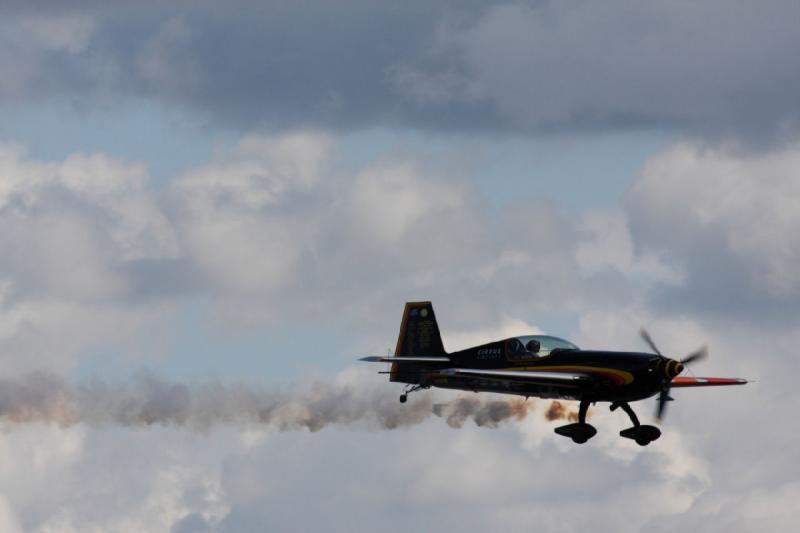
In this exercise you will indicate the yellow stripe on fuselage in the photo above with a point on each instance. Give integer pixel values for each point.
(620, 377)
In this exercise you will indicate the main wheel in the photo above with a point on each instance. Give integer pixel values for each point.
(403, 398)
(642, 442)
(579, 440)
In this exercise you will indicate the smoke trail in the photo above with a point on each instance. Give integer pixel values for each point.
(557, 411)
(148, 400)
(484, 413)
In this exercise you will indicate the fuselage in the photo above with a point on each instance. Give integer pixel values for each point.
(620, 376)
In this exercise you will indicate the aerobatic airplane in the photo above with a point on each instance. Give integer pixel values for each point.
(543, 366)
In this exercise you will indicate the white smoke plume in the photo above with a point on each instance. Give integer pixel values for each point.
(149, 400)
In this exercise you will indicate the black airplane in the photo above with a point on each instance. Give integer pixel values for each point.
(543, 366)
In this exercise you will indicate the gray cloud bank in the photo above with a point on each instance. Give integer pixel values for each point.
(712, 68)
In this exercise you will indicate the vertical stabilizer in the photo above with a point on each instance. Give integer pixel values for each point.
(419, 336)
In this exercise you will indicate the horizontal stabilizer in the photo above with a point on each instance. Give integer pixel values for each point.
(705, 382)
(414, 359)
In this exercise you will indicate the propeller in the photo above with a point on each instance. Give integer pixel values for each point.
(697, 355)
(670, 370)
(663, 398)
(649, 340)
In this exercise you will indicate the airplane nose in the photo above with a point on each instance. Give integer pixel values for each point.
(672, 368)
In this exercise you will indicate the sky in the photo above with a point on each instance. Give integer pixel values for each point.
(204, 208)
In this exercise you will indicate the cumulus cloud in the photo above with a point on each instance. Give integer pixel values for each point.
(727, 220)
(220, 483)
(62, 480)
(274, 223)
(73, 235)
(274, 226)
(234, 218)
(468, 479)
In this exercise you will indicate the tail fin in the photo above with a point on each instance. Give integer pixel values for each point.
(419, 336)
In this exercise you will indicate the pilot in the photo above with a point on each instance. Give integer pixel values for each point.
(533, 346)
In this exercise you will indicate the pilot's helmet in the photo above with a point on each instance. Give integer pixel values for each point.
(533, 346)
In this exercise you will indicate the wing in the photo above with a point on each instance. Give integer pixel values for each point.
(544, 378)
(413, 359)
(705, 382)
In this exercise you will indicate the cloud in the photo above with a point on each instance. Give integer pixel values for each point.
(273, 228)
(31, 44)
(278, 229)
(226, 480)
(8, 521)
(769, 508)
(608, 245)
(68, 480)
(532, 67)
(582, 66)
(307, 227)
(727, 221)
(74, 234)
(67, 33)
(412, 198)
(467, 480)
(237, 229)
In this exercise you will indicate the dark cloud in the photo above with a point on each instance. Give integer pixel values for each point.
(710, 69)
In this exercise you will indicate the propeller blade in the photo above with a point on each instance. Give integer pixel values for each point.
(646, 337)
(697, 355)
(663, 398)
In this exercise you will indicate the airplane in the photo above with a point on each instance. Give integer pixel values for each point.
(542, 366)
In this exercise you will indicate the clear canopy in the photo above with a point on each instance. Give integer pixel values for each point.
(531, 346)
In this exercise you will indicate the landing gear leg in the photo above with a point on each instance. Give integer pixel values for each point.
(582, 411)
(642, 434)
(580, 431)
(627, 408)
(409, 389)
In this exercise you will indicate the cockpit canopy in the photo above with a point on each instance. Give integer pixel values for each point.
(535, 346)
